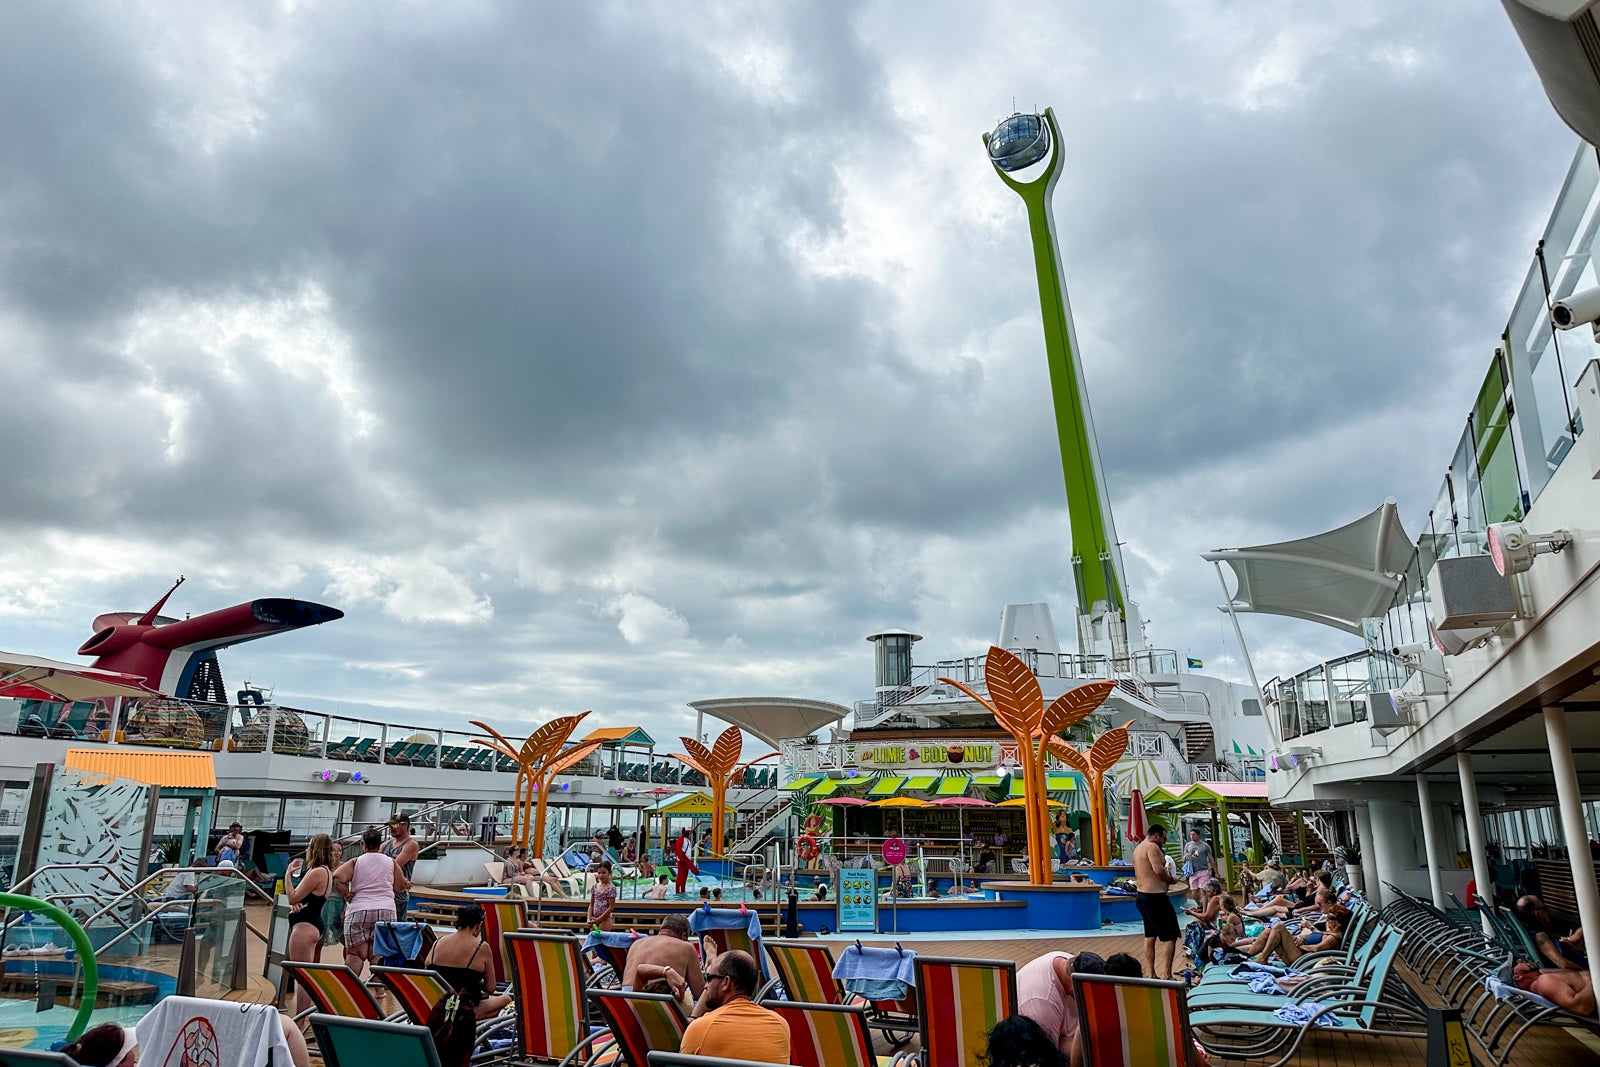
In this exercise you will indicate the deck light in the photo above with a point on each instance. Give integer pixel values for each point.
(1513, 548)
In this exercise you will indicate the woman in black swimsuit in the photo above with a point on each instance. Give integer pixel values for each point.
(315, 875)
(462, 958)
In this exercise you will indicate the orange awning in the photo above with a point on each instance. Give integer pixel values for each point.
(178, 770)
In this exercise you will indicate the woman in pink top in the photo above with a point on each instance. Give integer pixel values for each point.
(1044, 994)
(368, 884)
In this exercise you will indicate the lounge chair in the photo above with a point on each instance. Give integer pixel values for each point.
(32, 1057)
(958, 1003)
(678, 1059)
(359, 1042)
(641, 1022)
(826, 1035)
(335, 989)
(609, 953)
(805, 971)
(1379, 1007)
(550, 980)
(1133, 1022)
(500, 917)
(416, 990)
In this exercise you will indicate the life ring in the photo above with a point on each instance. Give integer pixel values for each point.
(812, 826)
(806, 848)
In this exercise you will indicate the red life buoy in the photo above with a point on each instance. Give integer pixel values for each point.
(806, 848)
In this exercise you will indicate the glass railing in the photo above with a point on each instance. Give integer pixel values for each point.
(1334, 693)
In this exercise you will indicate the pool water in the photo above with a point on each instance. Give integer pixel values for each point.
(23, 1026)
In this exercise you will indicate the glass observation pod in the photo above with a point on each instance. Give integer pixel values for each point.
(1020, 141)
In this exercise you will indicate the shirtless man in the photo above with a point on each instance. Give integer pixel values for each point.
(1155, 907)
(1568, 989)
(661, 952)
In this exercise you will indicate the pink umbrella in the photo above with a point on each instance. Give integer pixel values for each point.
(844, 816)
(961, 804)
(1137, 819)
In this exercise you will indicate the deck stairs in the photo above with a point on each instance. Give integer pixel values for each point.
(1198, 740)
(772, 808)
(1279, 829)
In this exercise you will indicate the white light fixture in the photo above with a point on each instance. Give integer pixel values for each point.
(1513, 548)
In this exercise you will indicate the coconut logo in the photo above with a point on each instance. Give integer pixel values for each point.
(956, 753)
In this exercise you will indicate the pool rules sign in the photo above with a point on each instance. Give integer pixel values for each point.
(857, 900)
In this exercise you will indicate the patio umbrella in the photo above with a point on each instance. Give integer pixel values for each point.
(65, 681)
(1022, 802)
(902, 803)
(844, 821)
(1137, 819)
(961, 804)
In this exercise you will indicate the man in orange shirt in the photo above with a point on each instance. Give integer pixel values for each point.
(727, 1023)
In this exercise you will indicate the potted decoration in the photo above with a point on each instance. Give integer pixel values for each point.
(1352, 867)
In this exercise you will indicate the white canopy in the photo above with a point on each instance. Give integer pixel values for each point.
(1336, 578)
(773, 719)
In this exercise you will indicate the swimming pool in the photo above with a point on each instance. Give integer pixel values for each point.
(22, 1025)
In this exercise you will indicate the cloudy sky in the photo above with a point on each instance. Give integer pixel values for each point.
(619, 355)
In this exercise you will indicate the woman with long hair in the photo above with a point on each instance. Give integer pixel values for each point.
(309, 883)
(463, 959)
(1021, 1042)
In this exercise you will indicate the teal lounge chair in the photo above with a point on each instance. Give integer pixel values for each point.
(360, 1042)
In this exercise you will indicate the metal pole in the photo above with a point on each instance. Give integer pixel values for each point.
(1571, 800)
(1475, 843)
(1227, 605)
(1430, 841)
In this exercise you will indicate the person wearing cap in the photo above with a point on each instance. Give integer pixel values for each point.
(402, 848)
(1044, 994)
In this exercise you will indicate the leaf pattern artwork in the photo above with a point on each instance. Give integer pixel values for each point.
(1073, 706)
(539, 759)
(91, 818)
(1109, 747)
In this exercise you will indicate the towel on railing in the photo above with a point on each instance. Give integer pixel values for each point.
(397, 943)
(610, 939)
(703, 918)
(1302, 1014)
(1504, 990)
(877, 973)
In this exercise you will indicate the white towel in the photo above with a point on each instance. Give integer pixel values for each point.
(245, 1035)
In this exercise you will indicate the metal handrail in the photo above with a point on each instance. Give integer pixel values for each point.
(28, 880)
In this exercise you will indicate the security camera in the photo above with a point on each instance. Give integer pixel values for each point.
(1409, 653)
(1581, 307)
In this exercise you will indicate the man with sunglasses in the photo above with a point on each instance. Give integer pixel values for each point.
(727, 1023)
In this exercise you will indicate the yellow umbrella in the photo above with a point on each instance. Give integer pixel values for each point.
(901, 802)
(1019, 802)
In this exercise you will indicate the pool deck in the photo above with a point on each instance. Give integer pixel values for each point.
(1540, 1048)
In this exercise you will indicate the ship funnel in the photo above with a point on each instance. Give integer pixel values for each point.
(1028, 626)
(893, 662)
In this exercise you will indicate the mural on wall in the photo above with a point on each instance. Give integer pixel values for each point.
(91, 818)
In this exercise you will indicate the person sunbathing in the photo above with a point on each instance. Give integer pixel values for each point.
(1571, 990)
(1290, 947)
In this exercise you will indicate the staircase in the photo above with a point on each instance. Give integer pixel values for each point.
(1285, 834)
(1198, 739)
(771, 811)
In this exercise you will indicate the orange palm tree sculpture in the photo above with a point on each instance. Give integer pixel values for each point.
(539, 759)
(1094, 765)
(1018, 706)
(720, 764)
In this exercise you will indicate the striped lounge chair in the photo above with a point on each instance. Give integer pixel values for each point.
(805, 972)
(958, 1003)
(415, 990)
(502, 916)
(826, 1035)
(549, 976)
(1133, 1022)
(640, 1023)
(335, 989)
(678, 1059)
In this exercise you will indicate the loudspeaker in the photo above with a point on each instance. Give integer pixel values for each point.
(1469, 593)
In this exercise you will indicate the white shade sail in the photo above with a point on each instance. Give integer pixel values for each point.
(773, 719)
(1336, 578)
